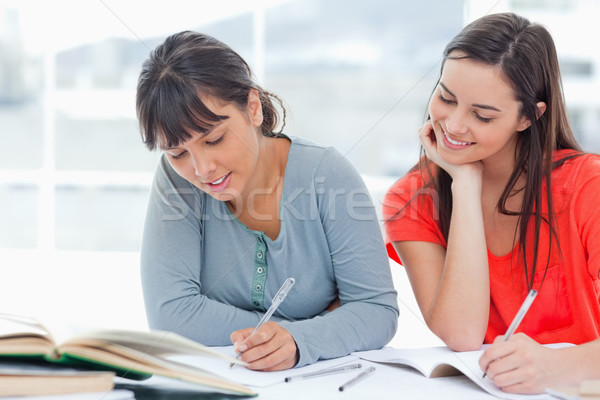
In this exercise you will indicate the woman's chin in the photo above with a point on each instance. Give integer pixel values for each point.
(225, 195)
(453, 159)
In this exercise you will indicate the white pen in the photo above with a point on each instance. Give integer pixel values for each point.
(322, 372)
(518, 318)
(357, 379)
(277, 299)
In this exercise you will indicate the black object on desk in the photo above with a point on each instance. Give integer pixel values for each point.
(149, 392)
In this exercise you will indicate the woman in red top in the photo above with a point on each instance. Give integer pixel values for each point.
(502, 202)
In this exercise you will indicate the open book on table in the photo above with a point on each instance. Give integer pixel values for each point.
(440, 361)
(130, 354)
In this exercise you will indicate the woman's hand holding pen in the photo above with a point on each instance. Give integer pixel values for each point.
(521, 365)
(271, 348)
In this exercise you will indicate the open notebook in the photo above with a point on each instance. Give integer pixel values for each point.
(440, 361)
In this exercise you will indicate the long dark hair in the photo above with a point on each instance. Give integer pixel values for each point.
(526, 55)
(175, 75)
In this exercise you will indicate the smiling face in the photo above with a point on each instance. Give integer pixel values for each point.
(474, 113)
(223, 161)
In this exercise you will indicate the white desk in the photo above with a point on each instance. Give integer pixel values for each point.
(387, 382)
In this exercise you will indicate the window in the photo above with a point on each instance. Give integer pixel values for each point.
(352, 75)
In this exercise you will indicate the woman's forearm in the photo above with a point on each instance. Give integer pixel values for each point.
(460, 308)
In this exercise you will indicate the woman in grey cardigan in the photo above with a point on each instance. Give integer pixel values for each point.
(236, 209)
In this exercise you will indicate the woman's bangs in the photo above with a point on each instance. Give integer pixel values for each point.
(182, 114)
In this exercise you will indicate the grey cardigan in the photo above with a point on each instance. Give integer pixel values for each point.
(205, 274)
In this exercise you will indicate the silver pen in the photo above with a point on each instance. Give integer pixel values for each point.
(322, 372)
(277, 300)
(357, 379)
(518, 318)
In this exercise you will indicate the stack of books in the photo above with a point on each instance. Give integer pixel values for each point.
(28, 351)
